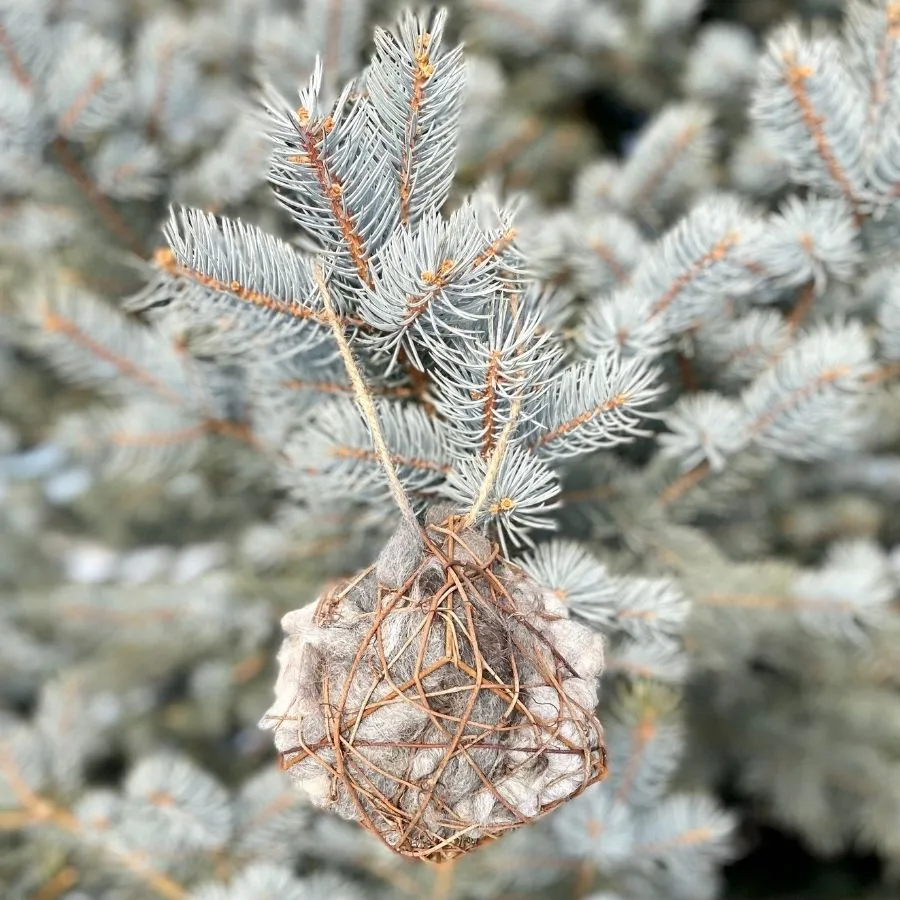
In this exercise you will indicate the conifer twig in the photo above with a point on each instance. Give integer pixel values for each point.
(111, 217)
(366, 404)
(803, 306)
(796, 77)
(684, 483)
(64, 880)
(887, 372)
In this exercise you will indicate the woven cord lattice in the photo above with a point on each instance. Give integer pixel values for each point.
(440, 697)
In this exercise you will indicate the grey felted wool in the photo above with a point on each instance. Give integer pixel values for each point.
(440, 697)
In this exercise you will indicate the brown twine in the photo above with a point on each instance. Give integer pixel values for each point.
(480, 649)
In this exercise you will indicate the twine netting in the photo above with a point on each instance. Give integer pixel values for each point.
(440, 697)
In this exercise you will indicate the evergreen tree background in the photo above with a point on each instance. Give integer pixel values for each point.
(698, 206)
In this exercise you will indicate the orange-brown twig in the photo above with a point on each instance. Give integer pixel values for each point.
(796, 77)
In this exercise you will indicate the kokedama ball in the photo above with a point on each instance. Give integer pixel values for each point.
(440, 697)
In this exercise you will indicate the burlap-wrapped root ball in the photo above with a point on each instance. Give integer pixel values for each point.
(440, 697)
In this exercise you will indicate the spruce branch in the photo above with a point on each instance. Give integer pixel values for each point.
(872, 32)
(334, 452)
(238, 262)
(416, 90)
(323, 168)
(57, 886)
(679, 282)
(688, 831)
(616, 244)
(886, 373)
(684, 483)
(643, 730)
(41, 811)
(115, 223)
(527, 133)
(55, 323)
(16, 64)
(594, 404)
(668, 155)
(812, 108)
